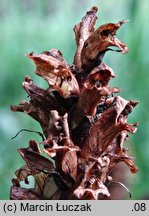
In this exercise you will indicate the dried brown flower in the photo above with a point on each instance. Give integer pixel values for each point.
(84, 126)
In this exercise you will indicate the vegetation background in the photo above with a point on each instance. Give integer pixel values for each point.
(30, 25)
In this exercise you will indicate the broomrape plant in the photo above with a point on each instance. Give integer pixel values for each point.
(84, 125)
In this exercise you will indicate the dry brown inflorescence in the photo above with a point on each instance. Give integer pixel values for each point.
(84, 124)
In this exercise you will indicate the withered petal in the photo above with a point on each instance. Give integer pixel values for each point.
(82, 31)
(99, 42)
(54, 69)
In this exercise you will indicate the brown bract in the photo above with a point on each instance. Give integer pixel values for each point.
(84, 124)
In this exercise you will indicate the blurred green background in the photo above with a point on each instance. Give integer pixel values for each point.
(30, 25)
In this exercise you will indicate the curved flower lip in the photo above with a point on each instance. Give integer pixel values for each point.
(117, 43)
(100, 41)
(102, 71)
(107, 34)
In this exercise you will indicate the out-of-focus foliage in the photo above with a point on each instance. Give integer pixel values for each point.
(31, 25)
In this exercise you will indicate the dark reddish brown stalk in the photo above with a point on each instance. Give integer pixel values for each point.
(84, 125)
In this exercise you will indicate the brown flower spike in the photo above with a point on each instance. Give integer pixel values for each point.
(84, 125)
